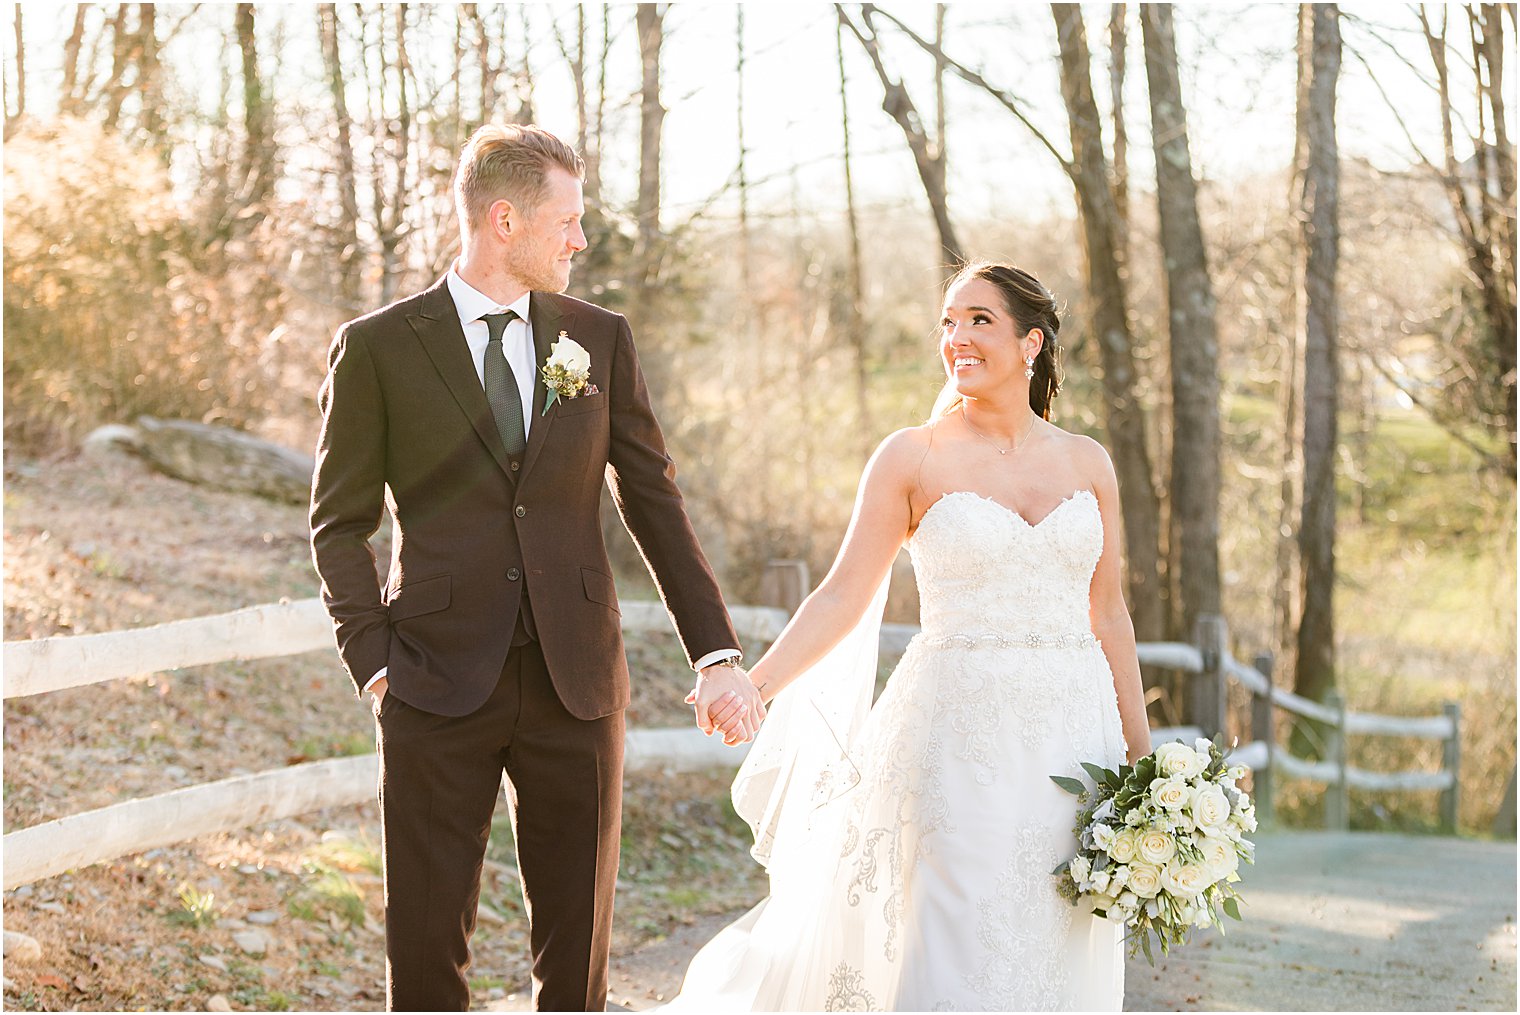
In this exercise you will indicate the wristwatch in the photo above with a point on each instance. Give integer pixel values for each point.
(729, 661)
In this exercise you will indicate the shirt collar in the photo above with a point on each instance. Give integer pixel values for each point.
(472, 304)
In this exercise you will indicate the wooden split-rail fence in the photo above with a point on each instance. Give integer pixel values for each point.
(291, 628)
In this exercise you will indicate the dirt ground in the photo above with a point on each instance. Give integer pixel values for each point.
(98, 545)
(1334, 922)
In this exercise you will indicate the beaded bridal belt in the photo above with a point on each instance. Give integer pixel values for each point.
(1033, 639)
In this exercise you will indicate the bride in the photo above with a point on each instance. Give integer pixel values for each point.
(910, 844)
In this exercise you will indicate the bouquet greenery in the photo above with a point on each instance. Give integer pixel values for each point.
(1160, 843)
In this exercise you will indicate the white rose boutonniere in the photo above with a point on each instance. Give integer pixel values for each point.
(567, 374)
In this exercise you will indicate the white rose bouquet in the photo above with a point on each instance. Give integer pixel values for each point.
(1160, 843)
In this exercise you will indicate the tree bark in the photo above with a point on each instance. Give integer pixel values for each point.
(11, 118)
(899, 105)
(121, 59)
(649, 19)
(69, 98)
(1318, 212)
(149, 93)
(1195, 471)
(1118, 44)
(745, 275)
(350, 258)
(1290, 487)
(256, 171)
(1108, 298)
(1487, 232)
(856, 325)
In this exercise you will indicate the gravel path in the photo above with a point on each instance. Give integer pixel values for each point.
(1334, 922)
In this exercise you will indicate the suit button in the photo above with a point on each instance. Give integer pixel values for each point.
(522, 512)
(513, 574)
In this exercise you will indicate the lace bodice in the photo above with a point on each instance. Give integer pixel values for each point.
(982, 570)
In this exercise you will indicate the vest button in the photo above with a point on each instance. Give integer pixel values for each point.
(516, 465)
(522, 512)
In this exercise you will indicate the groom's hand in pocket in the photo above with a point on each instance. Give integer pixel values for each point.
(377, 692)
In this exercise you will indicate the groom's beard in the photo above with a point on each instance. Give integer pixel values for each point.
(540, 272)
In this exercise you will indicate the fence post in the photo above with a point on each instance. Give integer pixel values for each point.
(1208, 695)
(1451, 763)
(785, 584)
(1337, 793)
(1263, 729)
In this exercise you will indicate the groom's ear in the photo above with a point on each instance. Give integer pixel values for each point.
(503, 219)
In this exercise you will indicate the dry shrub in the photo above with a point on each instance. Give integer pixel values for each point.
(111, 310)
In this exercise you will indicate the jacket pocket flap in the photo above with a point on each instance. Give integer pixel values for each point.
(581, 403)
(599, 588)
(416, 598)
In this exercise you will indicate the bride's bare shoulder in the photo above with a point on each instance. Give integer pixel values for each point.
(1090, 457)
(901, 452)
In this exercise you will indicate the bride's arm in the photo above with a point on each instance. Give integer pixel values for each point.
(1110, 617)
(878, 527)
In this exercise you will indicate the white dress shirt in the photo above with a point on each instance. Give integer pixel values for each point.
(516, 341)
(517, 346)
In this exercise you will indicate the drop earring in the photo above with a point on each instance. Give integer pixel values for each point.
(1029, 367)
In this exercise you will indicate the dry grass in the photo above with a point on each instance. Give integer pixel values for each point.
(103, 545)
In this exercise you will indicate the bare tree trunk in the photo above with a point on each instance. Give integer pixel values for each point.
(1195, 473)
(899, 105)
(350, 258)
(1285, 585)
(12, 118)
(121, 59)
(745, 280)
(939, 81)
(69, 97)
(1314, 676)
(856, 326)
(1110, 324)
(1118, 43)
(1487, 233)
(256, 171)
(149, 93)
(391, 217)
(650, 20)
(487, 67)
(525, 108)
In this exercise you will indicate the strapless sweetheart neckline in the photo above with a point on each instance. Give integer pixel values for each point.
(1072, 497)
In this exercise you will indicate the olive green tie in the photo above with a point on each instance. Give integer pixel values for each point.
(501, 386)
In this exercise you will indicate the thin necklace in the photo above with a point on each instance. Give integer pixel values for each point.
(1001, 451)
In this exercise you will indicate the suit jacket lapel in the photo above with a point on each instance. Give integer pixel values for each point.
(437, 328)
(545, 312)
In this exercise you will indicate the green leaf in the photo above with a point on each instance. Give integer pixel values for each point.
(549, 402)
(1069, 784)
(1232, 907)
(1145, 944)
(1097, 773)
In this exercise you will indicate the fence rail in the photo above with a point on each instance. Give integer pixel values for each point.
(291, 628)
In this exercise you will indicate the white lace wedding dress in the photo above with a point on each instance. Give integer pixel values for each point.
(911, 871)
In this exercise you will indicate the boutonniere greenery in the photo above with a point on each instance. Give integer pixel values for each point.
(567, 374)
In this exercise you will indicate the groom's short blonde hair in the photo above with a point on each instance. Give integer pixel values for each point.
(508, 162)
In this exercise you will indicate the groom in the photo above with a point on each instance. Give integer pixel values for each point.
(495, 644)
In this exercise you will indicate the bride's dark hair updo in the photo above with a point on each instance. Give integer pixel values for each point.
(1030, 305)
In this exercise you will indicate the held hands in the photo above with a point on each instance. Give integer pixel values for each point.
(726, 702)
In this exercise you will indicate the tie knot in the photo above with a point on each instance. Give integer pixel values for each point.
(497, 323)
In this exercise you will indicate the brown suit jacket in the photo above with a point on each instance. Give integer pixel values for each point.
(406, 425)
